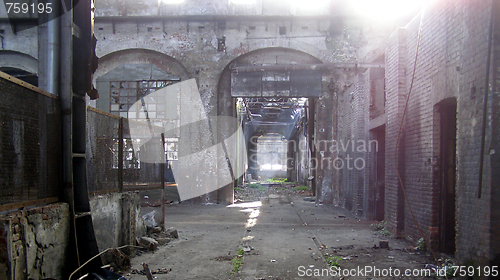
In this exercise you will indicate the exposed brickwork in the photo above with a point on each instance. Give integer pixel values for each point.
(451, 66)
(395, 92)
(494, 148)
(35, 242)
(356, 145)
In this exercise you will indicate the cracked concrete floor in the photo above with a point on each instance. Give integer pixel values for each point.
(285, 237)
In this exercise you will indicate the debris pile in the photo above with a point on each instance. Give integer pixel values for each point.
(116, 259)
(157, 237)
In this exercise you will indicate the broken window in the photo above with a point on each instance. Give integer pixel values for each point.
(125, 93)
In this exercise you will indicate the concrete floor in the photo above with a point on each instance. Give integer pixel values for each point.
(286, 236)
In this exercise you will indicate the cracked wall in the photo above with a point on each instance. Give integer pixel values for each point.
(34, 242)
(116, 219)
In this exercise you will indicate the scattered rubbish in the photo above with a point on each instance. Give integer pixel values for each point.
(152, 271)
(172, 233)
(147, 272)
(223, 258)
(310, 199)
(391, 257)
(273, 260)
(156, 229)
(247, 249)
(149, 219)
(432, 267)
(163, 240)
(149, 243)
(146, 197)
(116, 259)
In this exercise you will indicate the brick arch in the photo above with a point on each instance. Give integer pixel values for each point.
(276, 55)
(19, 60)
(167, 63)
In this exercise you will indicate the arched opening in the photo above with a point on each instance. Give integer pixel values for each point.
(275, 105)
(127, 82)
(20, 65)
(124, 77)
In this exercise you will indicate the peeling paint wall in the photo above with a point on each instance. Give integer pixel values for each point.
(33, 243)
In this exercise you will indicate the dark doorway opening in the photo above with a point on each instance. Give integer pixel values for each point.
(378, 149)
(447, 157)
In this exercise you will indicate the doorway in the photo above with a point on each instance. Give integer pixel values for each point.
(447, 110)
(379, 172)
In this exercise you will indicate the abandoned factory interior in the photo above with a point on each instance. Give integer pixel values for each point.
(249, 139)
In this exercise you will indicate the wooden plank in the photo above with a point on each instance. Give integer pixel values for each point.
(17, 205)
(27, 85)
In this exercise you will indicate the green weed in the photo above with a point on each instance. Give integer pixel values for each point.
(333, 260)
(302, 188)
(276, 180)
(421, 245)
(236, 261)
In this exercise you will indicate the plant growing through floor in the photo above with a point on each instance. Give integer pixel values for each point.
(280, 189)
(333, 260)
(256, 186)
(378, 226)
(236, 261)
(237, 189)
(421, 245)
(276, 180)
(450, 271)
(302, 188)
(386, 232)
(381, 226)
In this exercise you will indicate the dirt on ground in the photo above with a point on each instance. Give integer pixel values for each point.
(278, 231)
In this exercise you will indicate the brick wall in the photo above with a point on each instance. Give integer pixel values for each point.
(395, 91)
(451, 66)
(356, 146)
(34, 242)
(494, 148)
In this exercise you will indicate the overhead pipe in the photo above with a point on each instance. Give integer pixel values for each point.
(53, 48)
